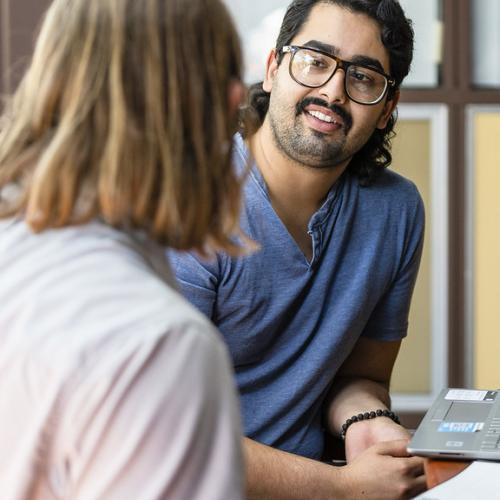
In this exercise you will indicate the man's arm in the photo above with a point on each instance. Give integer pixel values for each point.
(377, 444)
(276, 475)
(361, 385)
(362, 382)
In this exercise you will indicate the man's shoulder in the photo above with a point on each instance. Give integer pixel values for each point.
(240, 153)
(391, 197)
(390, 179)
(392, 185)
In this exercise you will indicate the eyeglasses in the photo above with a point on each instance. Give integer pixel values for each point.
(313, 68)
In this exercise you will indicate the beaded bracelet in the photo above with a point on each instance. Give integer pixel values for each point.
(367, 416)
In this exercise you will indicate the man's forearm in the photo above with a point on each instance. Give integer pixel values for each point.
(352, 396)
(277, 475)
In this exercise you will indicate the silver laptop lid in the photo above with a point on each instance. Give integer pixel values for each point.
(461, 424)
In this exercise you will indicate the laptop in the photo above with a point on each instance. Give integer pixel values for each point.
(461, 424)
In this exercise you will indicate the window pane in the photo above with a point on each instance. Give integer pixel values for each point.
(258, 22)
(412, 158)
(485, 18)
(427, 24)
(420, 153)
(485, 238)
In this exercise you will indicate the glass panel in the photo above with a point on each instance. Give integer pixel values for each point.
(486, 247)
(412, 158)
(427, 57)
(258, 23)
(485, 18)
(420, 153)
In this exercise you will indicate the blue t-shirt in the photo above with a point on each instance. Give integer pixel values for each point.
(289, 323)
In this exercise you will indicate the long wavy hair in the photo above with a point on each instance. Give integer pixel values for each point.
(123, 115)
(397, 38)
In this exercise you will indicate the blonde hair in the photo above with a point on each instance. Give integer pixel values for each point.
(123, 115)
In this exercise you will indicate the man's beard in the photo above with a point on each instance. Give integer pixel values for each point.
(319, 151)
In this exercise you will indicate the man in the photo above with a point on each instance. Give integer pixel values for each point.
(314, 320)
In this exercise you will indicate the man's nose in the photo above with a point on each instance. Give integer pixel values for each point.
(334, 89)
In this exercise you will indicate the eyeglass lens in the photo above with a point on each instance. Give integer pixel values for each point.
(313, 69)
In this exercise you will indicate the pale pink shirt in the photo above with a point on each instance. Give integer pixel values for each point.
(112, 387)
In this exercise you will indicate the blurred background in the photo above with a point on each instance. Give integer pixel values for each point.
(447, 143)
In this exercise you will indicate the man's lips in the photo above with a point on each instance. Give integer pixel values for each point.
(325, 115)
(323, 120)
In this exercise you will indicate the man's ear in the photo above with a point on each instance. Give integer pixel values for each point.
(390, 105)
(271, 70)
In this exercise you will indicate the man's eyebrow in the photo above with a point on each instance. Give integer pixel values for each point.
(368, 61)
(334, 51)
(315, 44)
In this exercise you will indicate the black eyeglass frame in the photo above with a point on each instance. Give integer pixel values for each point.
(344, 65)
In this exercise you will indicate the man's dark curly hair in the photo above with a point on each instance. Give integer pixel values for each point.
(397, 38)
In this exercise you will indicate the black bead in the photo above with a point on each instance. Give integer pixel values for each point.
(366, 416)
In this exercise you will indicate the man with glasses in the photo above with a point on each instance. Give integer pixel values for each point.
(314, 320)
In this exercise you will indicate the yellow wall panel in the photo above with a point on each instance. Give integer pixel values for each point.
(486, 234)
(411, 158)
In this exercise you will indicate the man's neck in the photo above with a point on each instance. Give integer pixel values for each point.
(296, 191)
(291, 183)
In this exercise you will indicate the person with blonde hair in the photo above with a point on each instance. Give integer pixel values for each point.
(117, 143)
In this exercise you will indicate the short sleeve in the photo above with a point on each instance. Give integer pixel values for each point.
(197, 278)
(154, 420)
(389, 320)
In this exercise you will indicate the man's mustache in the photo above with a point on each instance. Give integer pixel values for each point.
(334, 108)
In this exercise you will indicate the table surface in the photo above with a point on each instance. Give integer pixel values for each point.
(439, 471)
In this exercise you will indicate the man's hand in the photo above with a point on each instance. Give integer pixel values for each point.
(364, 434)
(384, 471)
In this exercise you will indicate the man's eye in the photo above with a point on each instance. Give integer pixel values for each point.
(361, 76)
(319, 63)
(316, 62)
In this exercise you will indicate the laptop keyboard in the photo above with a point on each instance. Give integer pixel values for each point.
(491, 439)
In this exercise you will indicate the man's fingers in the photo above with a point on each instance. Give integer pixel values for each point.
(393, 448)
(417, 466)
(414, 465)
(419, 486)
